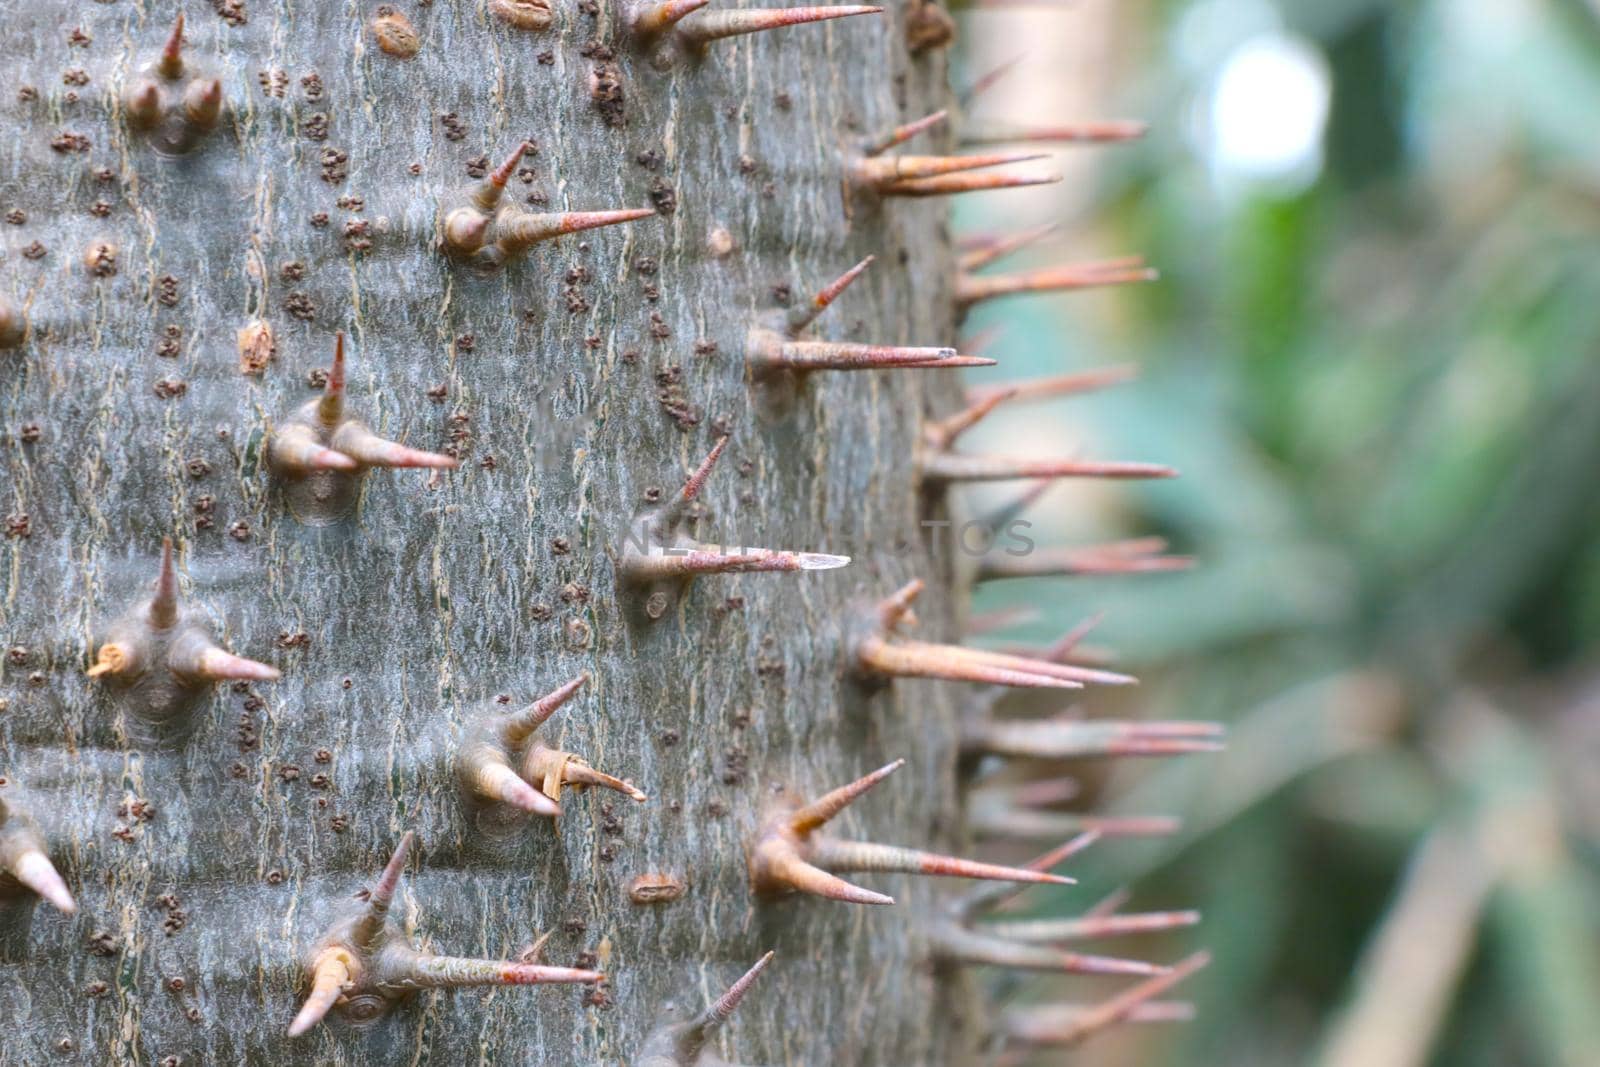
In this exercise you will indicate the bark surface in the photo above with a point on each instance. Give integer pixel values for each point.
(599, 366)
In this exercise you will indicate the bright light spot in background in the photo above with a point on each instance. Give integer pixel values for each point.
(1267, 113)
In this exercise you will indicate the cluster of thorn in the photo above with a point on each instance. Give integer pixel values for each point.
(162, 658)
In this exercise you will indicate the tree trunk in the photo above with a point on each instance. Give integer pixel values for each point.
(577, 385)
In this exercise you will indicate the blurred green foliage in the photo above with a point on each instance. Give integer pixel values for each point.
(1383, 389)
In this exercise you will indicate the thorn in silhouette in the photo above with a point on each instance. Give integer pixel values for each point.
(997, 821)
(1138, 556)
(989, 79)
(981, 251)
(943, 467)
(321, 455)
(903, 133)
(163, 658)
(661, 552)
(1057, 385)
(1138, 1003)
(681, 1041)
(364, 966)
(704, 27)
(944, 432)
(956, 944)
(881, 172)
(950, 184)
(879, 653)
(1090, 928)
(803, 316)
(500, 761)
(1116, 131)
(790, 856)
(975, 288)
(25, 862)
(1001, 516)
(1083, 738)
(990, 896)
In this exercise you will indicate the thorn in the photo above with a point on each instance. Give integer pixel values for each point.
(1092, 928)
(848, 856)
(779, 860)
(295, 450)
(722, 1009)
(992, 249)
(958, 945)
(824, 808)
(901, 134)
(943, 433)
(887, 170)
(972, 289)
(113, 658)
(370, 450)
(1115, 1009)
(522, 230)
(452, 972)
(1140, 556)
(949, 363)
(487, 195)
(1060, 384)
(494, 780)
(202, 103)
(672, 514)
(163, 610)
(1064, 646)
(33, 869)
(1036, 1025)
(1065, 739)
(466, 230)
(382, 893)
(846, 355)
(708, 26)
(1004, 619)
(576, 772)
(517, 727)
(874, 655)
(1028, 664)
(330, 409)
(652, 19)
(171, 62)
(802, 317)
(950, 184)
(330, 973)
(661, 564)
(215, 665)
(950, 467)
(1115, 131)
(144, 103)
(894, 608)
(13, 324)
(988, 897)
(784, 872)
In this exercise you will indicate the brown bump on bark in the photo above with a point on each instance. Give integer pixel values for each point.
(656, 888)
(523, 14)
(396, 36)
(256, 347)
